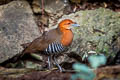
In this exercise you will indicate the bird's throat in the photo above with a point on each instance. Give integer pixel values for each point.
(67, 38)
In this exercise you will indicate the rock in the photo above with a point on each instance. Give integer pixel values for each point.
(51, 6)
(17, 26)
(4, 1)
(33, 65)
(76, 1)
(97, 32)
(36, 6)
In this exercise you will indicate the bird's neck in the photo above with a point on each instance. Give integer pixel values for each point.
(67, 37)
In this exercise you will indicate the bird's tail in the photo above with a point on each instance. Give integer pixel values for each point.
(25, 45)
(21, 54)
(18, 56)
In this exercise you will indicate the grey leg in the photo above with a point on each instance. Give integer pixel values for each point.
(57, 64)
(49, 63)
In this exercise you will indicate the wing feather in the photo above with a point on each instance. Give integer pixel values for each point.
(41, 43)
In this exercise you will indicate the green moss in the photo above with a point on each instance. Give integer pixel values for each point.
(96, 26)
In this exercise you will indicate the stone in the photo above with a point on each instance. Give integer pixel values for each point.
(76, 1)
(4, 1)
(98, 31)
(17, 26)
(50, 6)
(33, 65)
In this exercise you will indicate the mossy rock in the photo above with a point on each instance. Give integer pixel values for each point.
(98, 31)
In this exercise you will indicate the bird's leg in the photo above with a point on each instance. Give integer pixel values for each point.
(60, 68)
(50, 62)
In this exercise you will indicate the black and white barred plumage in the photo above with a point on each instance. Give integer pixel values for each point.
(54, 48)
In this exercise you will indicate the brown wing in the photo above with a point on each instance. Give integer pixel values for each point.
(41, 43)
(25, 45)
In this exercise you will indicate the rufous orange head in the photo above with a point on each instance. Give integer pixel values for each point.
(67, 24)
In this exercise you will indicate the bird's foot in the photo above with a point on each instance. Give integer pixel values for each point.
(59, 67)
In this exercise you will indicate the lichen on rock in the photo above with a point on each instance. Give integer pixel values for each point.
(97, 30)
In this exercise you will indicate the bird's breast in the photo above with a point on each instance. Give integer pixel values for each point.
(67, 38)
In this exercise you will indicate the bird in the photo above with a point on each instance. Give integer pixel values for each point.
(53, 42)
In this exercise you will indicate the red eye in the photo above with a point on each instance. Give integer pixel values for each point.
(68, 23)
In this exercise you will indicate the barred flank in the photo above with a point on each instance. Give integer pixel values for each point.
(54, 48)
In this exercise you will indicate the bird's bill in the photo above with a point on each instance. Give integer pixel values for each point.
(73, 25)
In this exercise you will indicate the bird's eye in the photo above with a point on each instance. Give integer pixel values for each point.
(68, 23)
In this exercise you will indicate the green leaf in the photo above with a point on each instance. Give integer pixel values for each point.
(83, 72)
(97, 60)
